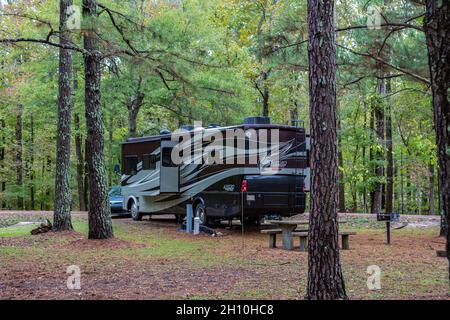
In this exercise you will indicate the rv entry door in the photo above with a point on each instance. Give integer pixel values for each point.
(169, 177)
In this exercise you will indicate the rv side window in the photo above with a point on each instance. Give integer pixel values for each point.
(149, 162)
(166, 155)
(131, 165)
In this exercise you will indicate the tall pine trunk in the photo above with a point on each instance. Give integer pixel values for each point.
(431, 189)
(80, 163)
(379, 168)
(31, 165)
(2, 163)
(81, 185)
(437, 31)
(100, 223)
(63, 198)
(325, 279)
(389, 154)
(19, 156)
(341, 175)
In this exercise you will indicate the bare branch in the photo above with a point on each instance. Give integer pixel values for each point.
(378, 59)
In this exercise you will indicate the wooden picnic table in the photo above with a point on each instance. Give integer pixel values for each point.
(287, 227)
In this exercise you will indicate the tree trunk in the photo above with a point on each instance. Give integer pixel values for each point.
(19, 157)
(31, 164)
(265, 95)
(379, 169)
(325, 279)
(2, 163)
(80, 164)
(389, 155)
(431, 190)
(86, 176)
(437, 31)
(364, 164)
(133, 110)
(63, 198)
(100, 223)
(341, 174)
(110, 147)
(371, 154)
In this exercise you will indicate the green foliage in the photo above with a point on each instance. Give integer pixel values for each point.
(206, 60)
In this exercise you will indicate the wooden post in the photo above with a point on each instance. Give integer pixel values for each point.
(303, 243)
(388, 232)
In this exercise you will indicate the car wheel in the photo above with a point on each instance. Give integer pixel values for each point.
(134, 210)
(200, 212)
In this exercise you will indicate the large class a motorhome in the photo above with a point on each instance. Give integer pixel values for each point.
(253, 170)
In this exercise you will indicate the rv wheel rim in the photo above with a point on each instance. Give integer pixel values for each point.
(201, 214)
(134, 211)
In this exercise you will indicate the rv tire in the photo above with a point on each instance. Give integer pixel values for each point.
(200, 211)
(134, 210)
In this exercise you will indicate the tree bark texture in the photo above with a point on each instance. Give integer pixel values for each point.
(63, 197)
(325, 279)
(19, 156)
(80, 163)
(2, 163)
(100, 223)
(437, 33)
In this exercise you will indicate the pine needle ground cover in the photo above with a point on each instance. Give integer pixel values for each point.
(154, 260)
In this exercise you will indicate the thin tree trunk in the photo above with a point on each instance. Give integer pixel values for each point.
(81, 185)
(418, 195)
(2, 163)
(63, 197)
(437, 31)
(431, 189)
(389, 155)
(371, 154)
(80, 164)
(341, 174)
(100, 223)
(325, 279)
(379, 169)
(86, 176)
(110, 151)
(402, 191)
(19, 157)
(31, 164)
(134, 106)
(364, 164)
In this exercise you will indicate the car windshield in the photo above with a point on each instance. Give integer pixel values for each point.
(115, 191)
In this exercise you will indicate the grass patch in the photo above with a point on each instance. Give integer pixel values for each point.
(16, 231)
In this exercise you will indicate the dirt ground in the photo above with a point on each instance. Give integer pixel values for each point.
(154, 260)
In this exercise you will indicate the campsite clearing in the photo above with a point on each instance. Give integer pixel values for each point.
(153, 260)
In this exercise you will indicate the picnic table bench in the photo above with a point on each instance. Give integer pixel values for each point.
(304, 239)
(289, 230)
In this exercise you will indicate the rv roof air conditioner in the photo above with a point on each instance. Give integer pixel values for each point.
(257, 120)
(165, 131)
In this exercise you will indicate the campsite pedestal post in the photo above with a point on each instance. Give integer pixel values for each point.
(388, 232)
(189, 218)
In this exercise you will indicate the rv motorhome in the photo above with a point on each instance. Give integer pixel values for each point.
(252, 170)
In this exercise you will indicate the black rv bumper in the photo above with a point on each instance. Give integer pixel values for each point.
(283, 203)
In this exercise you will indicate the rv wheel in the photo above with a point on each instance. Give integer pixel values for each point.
(135, 214)
(200, 212)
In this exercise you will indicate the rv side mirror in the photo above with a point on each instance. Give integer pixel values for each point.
(117, 169)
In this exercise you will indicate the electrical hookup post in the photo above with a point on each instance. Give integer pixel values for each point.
(388, 218)
(192, 223)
